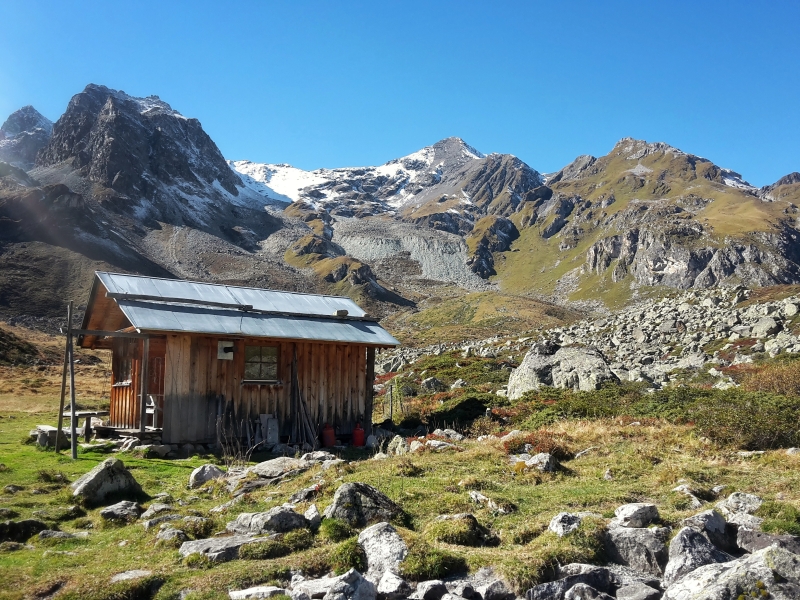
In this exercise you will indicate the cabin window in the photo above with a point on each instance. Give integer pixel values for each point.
(261, 363)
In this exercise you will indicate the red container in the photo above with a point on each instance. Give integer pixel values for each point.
(358, 435)
(328, 436)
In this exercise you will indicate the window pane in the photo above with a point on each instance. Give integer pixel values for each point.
(252, 353)
(252, 371)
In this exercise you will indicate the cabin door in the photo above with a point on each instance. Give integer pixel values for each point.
(155, 382)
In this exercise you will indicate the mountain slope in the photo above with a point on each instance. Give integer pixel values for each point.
(648, 214)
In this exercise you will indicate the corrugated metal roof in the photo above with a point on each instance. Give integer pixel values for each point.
(303, 316)
(259, 299)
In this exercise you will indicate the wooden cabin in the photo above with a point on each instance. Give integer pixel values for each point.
(209, 354)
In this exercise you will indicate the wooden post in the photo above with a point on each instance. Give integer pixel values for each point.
(368, 392)
(143, 402)
(64, 378)
(72, 407)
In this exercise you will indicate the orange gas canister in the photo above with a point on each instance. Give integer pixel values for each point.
(328, 436)
(358, 435)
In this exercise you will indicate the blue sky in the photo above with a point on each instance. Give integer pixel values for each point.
(326, 84)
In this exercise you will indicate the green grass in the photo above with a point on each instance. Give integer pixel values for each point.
(647, 461)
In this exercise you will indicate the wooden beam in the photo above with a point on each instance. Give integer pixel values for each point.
(64, 379)
(112, 334)
(143, 402)
(73, 418)
(369, 391)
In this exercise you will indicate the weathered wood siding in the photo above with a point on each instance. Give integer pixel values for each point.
(125, 400)
(332, 378)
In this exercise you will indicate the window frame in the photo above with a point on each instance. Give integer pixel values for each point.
(262, 362)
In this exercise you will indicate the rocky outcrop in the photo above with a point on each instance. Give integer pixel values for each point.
(562, 367)
(775, 570)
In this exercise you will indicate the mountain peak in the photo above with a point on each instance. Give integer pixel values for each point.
(456, 145)
(148, 105)
(28, 119)
(634, 149)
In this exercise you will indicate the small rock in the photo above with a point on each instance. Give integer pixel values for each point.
(260, 591)
(564, 523)
(638, 514)
(170, 534)
(155, 509)
(129, 575)
(201, 475)
(430, 590)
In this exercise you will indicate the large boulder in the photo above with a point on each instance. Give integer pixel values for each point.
(738, 508)
(384, 550)
(277, 467)
(582, 369)
(641, 549)
(276, 520)
(775, 570)
(203, 474)
(219, 549)
(638, 591)
(108, 479)
(714, 527)
(359, 504)
(689, 550)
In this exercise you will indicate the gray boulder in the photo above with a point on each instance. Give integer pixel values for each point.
(360, 504)
(598, 578)
(765, 326)
(712, 525)
(641, 549)
(392, 587)
(109, 478)
(637, 514)
(124, 511)
(384, 549)
(775, 569)
(155, 509)
(313, 517)
(276, 520)
(203, 474)
(430, 590)
(278, 467)
(432, 384)
(543, 461)
(582, 369)
(582, 591)
(219, 549)
(638, 591)
(738, 508)
(753, 541)
(688, 551)
(397, 447)
(259, 591)
(172, 535)
(349, 586)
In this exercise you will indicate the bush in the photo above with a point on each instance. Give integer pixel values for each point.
(196, 560)
(783, 379)
(335, 530)
(748, 420)
(299, 539)
(264, 550)
(462, 532)
(198, 529)
(425, 562)
(348, 555)
(541, 441)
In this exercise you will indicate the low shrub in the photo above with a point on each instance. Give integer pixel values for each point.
(783, 379)
(424, 562)
(348, 555)
(299, 539)
(462, 532)
(48, 476)
(748, 420)
(539, 441)
(264, 550)
(198, 529)
(196, 560)
(406, 468)
(335, 530)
